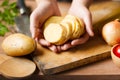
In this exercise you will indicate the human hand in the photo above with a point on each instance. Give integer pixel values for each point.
(44, 10)
(80, 10)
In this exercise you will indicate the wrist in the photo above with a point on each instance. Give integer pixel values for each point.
(50, 1)
(86, 3)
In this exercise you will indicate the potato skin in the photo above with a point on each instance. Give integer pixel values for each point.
(18, 45)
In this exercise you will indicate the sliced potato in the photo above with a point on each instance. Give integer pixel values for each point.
(68, 27)
(59, 30)
(4, 57)
(79, 29)
(17, 68)
(53, 19)
(70, 19)
(55, 33)
(82, 26)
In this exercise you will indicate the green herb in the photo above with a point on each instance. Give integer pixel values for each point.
(8, 12)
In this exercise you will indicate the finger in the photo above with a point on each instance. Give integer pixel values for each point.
(57, 12)
(43, 42)
(34, 24)
(88, 24)
(58, 48)
(38, 34)
(80, 40)
(53, 48)
(66, 46)
(56, 9)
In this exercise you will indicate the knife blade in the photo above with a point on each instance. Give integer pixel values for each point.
(22, 21)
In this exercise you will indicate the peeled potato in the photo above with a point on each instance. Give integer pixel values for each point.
(18, 45)
(58, 33)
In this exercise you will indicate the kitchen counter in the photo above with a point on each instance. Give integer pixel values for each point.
(104, 67)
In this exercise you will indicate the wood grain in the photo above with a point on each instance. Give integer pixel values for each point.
(94, 50)
(17, 67)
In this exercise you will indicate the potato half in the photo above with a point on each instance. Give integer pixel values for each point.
(16, 68)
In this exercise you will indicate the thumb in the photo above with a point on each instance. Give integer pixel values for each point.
(34, 25)
(88, 24)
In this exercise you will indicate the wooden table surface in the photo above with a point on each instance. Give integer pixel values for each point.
(105, 67)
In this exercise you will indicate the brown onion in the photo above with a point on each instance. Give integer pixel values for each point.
(111, 32)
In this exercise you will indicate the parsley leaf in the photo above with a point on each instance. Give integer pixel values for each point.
(8, 12)
(3, 29)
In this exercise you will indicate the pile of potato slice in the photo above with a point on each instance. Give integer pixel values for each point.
(58, 30)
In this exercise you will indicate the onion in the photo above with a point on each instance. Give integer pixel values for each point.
(111, 32)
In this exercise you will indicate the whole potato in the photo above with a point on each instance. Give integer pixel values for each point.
(18, 45)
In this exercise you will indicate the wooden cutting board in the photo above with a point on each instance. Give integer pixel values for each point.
(93, 50)
(3, 56)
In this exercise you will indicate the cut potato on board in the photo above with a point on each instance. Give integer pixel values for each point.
(18, 45)
(59, 30)
(17, 68)
(4, 57)
(55, 33)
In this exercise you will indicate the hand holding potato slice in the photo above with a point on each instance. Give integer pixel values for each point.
(58, 30)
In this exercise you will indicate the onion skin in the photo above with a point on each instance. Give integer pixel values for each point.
(111, 32)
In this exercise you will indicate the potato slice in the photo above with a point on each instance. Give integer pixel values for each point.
(78, 30)
(4, 57)
(64, 38)
(56, 20)
(53, 19)
(55, 33)
(17, 67)
(71, 19)
(82, 26)
(58, 30)
(77, 26)
(68, 27)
